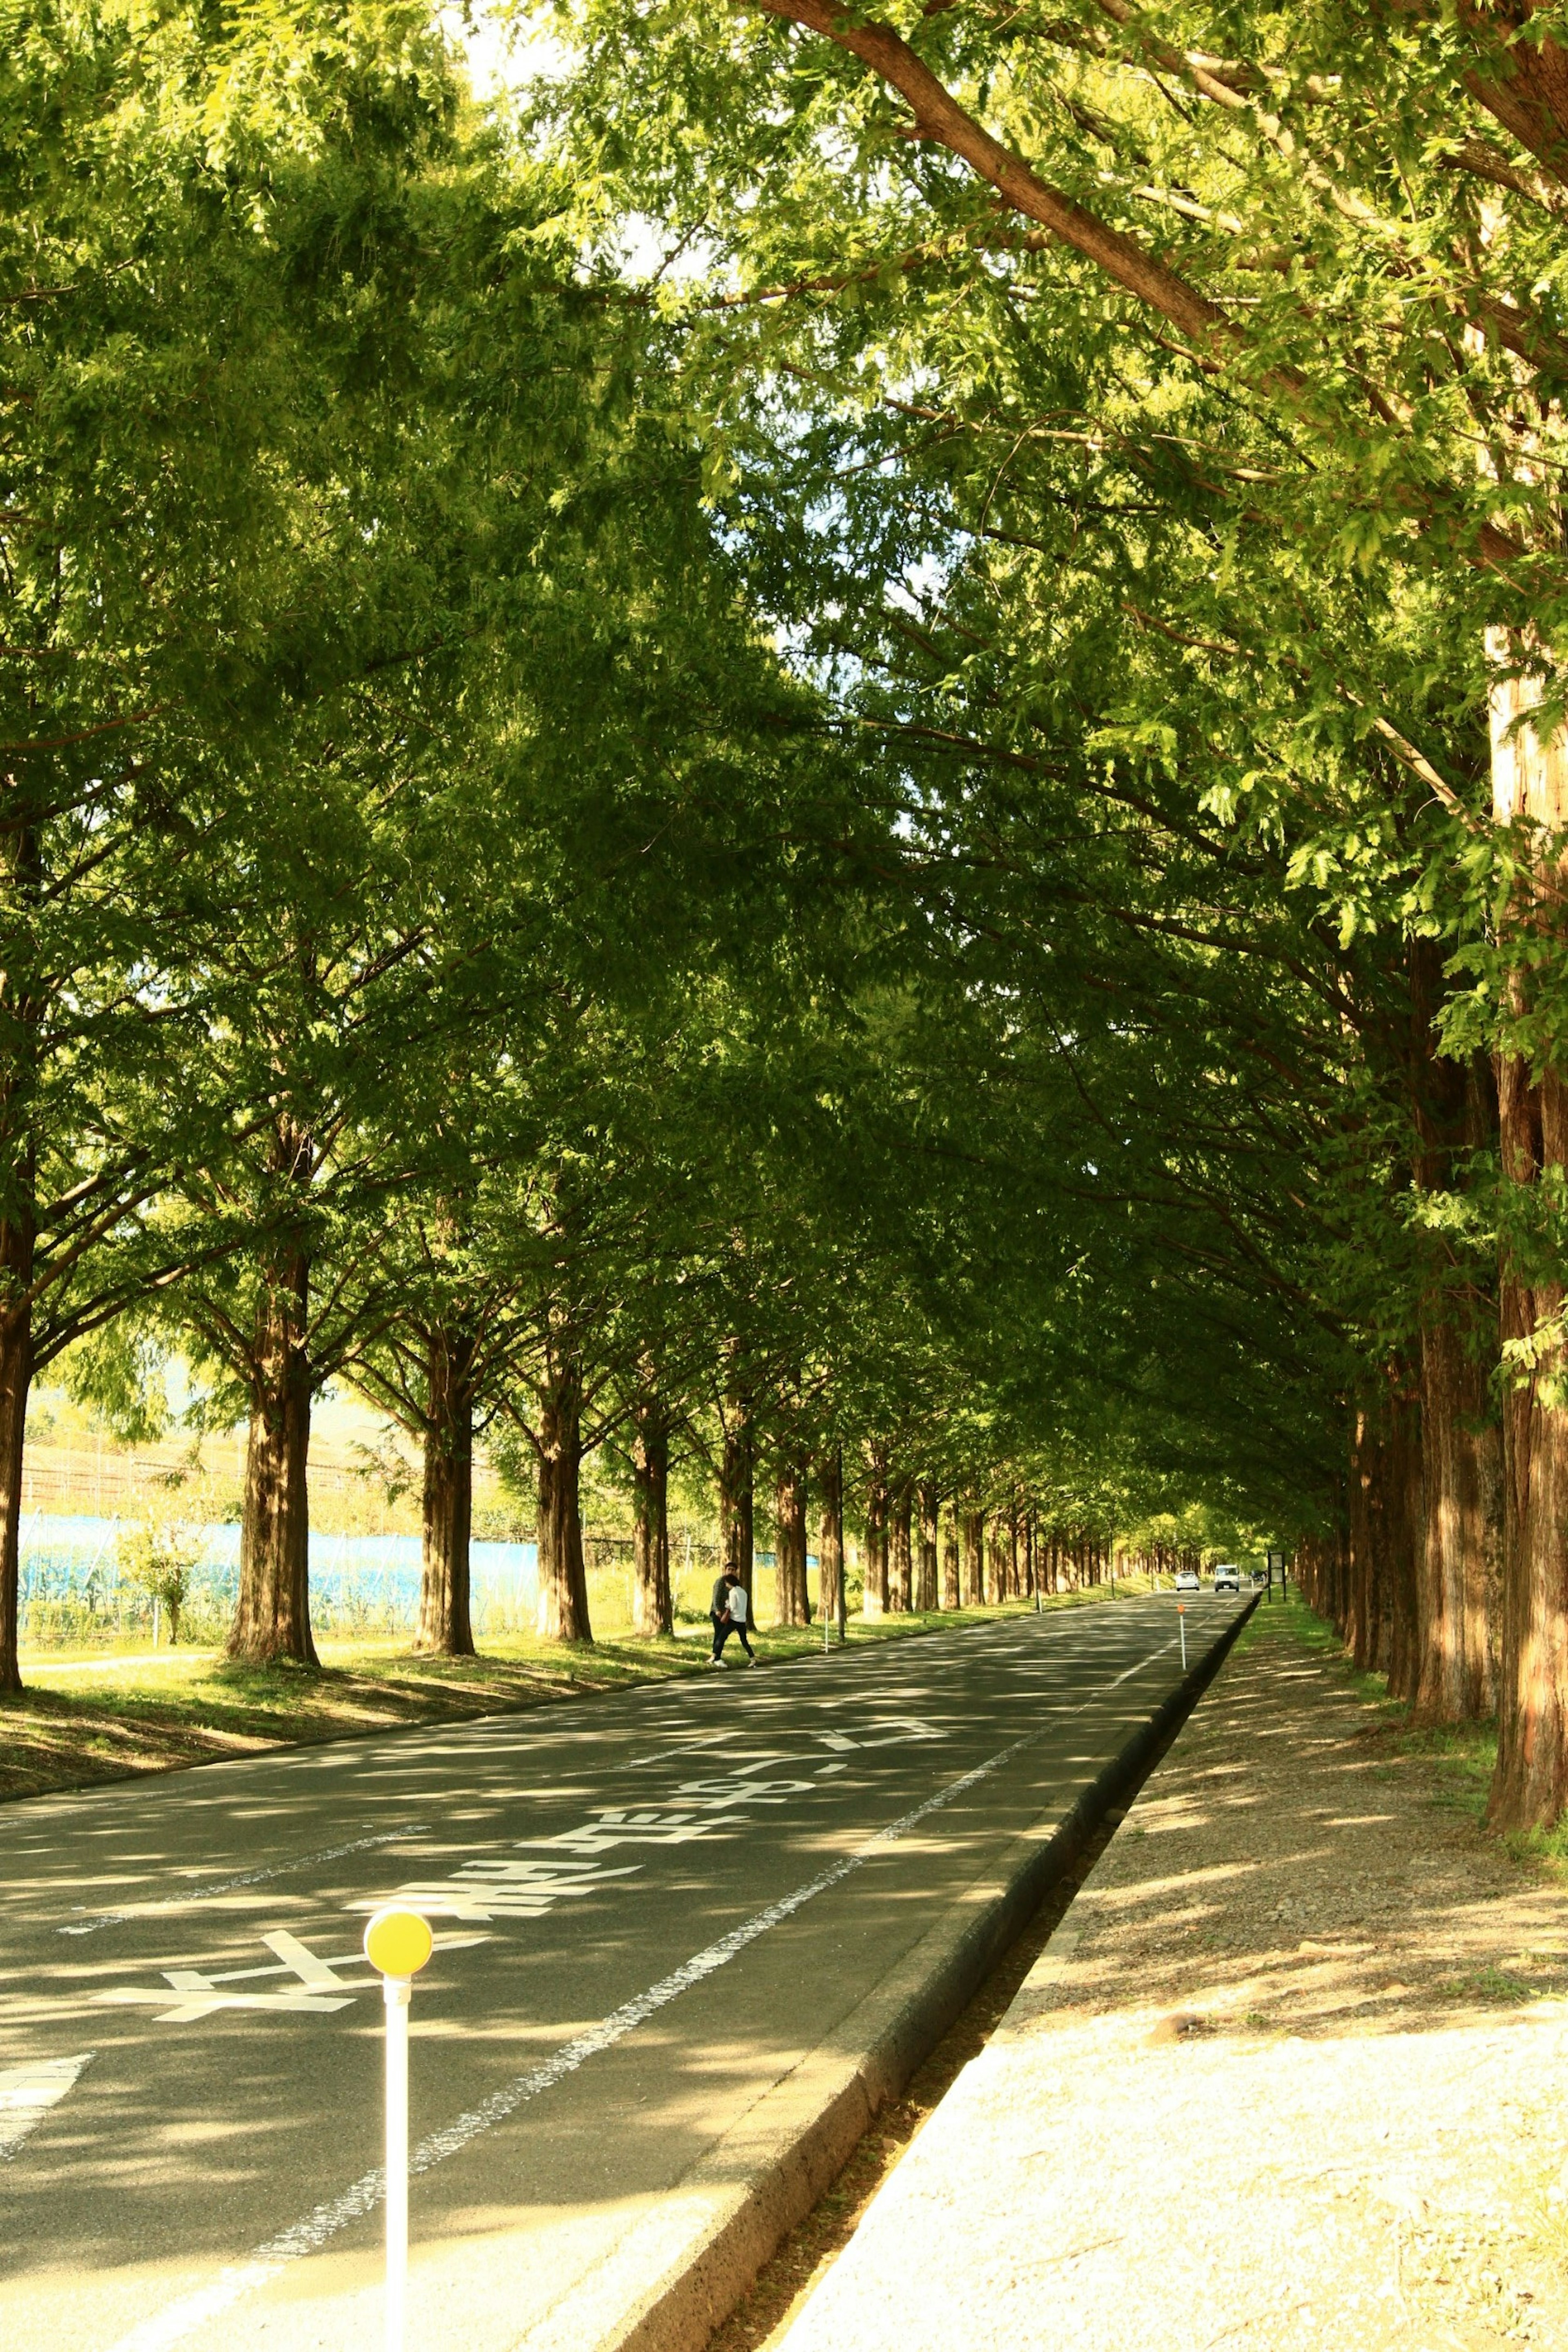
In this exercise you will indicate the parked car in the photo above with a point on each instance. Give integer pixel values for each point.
(1187, 1580)
(1226, 1579)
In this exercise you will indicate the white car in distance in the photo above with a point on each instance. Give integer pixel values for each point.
(1187, 1580)
(1226, 1579)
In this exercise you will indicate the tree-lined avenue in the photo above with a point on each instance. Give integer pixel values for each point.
(648, 1910)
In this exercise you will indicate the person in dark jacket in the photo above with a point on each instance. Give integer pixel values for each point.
(730, 1613)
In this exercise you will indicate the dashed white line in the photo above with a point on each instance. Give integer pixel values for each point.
(157, 1905)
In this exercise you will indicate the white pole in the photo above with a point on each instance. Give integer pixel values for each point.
(397, 1944)
(395, 1991)
(1181, 1622)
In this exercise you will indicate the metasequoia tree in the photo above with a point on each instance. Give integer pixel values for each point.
(1334, 154)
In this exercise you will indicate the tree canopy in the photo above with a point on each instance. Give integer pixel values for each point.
(833, 746)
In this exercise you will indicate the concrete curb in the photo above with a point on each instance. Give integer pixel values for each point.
(679, 2271)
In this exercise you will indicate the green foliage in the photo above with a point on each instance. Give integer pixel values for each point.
(158, 1558)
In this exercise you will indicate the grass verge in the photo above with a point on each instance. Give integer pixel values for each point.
(83, 1721)
(1464, 1755)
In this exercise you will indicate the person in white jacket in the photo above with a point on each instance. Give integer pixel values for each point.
(730, 1613)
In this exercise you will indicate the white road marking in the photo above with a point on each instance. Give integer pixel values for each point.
(171, 2327)
(321, 1988)
(157, 1905)
(165, 2329)
(28, 2093)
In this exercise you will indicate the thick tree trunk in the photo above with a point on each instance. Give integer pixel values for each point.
(15, 1379)
(1461, 1478)
(996, 1579)
(830, 1537)
(789, 1520)
(562, 1575)
(1363, 1533)
(653, 1601)
(952, 1589)
(1400, 1656)
(737, 1499)
(444, 1621)
(1454, 1109)
(874, 1599)
(974, 1560)
(1529, 781)
(926, 1571)
(900, 1559)
(272, 1614)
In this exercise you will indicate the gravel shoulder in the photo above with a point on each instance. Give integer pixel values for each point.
(1292, 2072)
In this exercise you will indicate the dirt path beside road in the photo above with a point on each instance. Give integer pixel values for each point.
(1292, 2073)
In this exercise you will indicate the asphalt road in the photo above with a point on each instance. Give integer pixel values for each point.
(649, 1908)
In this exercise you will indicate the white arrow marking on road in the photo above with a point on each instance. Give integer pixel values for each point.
(203, 1994)
(28, 2093)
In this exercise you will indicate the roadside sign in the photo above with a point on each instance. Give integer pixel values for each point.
(397, 1943)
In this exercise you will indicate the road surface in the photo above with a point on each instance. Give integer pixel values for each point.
(648, 1908)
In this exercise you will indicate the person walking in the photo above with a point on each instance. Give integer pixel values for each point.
(730, 1613)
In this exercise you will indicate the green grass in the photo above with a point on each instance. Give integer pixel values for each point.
(73, 1730)
(1463, 1755)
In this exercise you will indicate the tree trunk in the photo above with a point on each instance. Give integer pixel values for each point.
(1460, 1479)
(974, 1560)
(653, 1601)
(562, 1576)
(16, 1378)
(737, 1505)
(1407, 1535)
(996, 1579)
(900, 1560)
(951, 1589)
(925, 1580)
(1363, 1532)
(1455, 1110)
(1529, 781)
(789, 1520)
(874, 1599)
(272, 1614)
(830, 1537)
(444, 1621)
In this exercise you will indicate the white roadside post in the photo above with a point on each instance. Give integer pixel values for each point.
(397, 1944)
(1181, 1622)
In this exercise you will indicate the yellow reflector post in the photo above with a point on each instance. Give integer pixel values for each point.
(398, 1943)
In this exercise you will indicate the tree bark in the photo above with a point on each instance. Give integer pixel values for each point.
(974, 1560)
(562, 1575)
(789, 1520)
(15, 1379)
(1401, 1655)
(443, 1615)
(900, 1562)
(653, 1601)
(925, 1577)
(1455, 1112)
(1460, 1480)
(737, 1500)
(272, 1613)
(874, 1599)
(1529, 781)
(830, 1536)
(952, 1589)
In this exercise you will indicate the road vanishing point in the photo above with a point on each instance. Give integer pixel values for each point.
(657, 1916)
